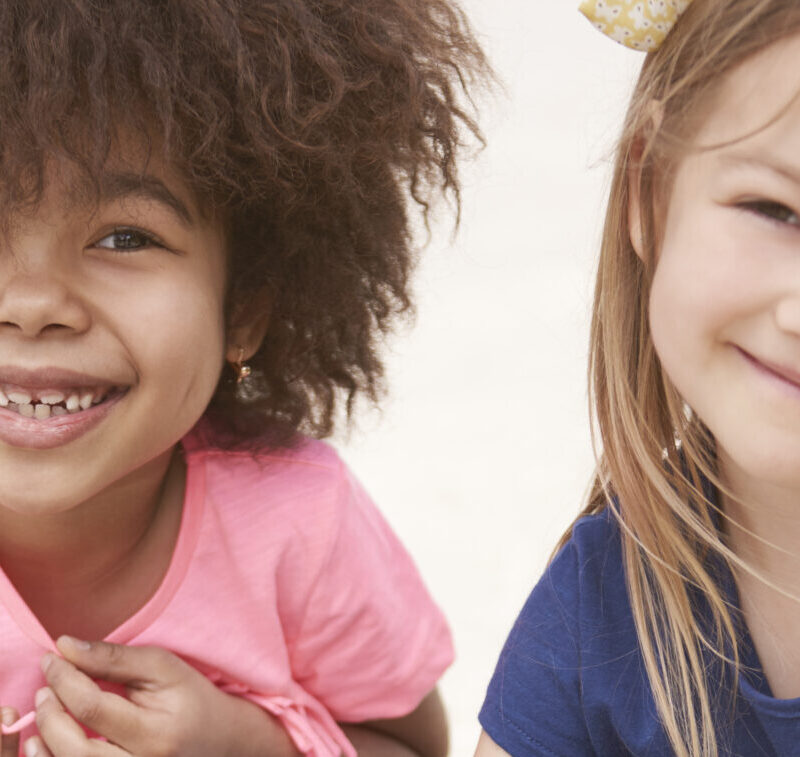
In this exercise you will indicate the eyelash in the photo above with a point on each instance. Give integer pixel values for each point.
(145, 238)
(775, 212)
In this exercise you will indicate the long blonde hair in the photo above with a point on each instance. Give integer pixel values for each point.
(655, 456)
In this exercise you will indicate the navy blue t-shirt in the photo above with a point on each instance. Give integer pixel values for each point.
(571, 680)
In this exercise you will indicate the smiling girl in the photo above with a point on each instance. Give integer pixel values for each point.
(668, 622)
(205, 233)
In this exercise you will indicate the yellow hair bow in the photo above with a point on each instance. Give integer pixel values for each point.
(638, 24)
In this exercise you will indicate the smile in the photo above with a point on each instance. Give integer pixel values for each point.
(52, 407)
(785, 376)
(42, 404)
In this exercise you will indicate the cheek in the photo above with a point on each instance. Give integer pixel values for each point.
(676, 312)
(690, 306)
(703, 299)
(175, 333)
(705, 287)
(192, 334)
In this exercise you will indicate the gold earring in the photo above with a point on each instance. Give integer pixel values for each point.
(242, 369)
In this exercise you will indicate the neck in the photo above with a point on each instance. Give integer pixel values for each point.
(85, 545)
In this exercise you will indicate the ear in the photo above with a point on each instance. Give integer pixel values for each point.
(634, 199)
(247, 328)
(655, 115)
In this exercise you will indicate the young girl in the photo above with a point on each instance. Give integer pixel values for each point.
(185, 185)
(668, 622)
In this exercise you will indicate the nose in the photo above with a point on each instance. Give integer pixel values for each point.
(35, 300)
(787, 313)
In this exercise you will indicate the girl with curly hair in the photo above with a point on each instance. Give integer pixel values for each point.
(205, 234)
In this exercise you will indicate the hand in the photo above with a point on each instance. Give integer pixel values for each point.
(9, 744)
(171, 710)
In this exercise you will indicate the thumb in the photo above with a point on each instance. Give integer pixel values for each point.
(123, 664)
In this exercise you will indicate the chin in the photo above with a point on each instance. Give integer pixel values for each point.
(780, 470)
(40, 501)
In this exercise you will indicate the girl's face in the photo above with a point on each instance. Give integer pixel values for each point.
(725, 300)
(120, 305)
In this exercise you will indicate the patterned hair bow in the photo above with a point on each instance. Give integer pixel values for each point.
(638, 24)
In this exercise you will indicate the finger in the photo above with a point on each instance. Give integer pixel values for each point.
(9, 743)
(35, 747)
(62, 735)
(123, 664)
(104, 712)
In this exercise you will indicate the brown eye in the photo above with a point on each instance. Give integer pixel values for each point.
(127, 240)
(774, 211)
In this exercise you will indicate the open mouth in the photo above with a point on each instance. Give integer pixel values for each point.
(41, 404)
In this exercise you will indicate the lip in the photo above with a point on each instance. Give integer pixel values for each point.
(51, 377)
(56, 431)
(774, 370)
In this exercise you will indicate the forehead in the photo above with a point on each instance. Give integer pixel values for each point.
(126, 173)
(759, 101)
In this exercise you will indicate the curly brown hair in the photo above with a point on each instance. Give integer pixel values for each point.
(311, 127)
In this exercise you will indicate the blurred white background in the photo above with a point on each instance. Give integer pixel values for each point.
(481, 456)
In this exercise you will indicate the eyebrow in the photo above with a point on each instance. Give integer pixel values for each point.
(763, 161)
(117, 185)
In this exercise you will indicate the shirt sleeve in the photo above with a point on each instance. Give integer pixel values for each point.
(372, 643)
(533, 704)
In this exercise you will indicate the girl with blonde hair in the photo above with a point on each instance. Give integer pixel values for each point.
(668, 621)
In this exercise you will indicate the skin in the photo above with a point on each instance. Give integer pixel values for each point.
(725, 322)
(83, 288)
(487, 748)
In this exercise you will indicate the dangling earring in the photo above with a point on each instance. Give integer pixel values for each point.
(241, 368)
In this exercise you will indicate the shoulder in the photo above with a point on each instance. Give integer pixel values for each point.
(303, 499)
(203, 442)
(572, 640)
(596, 533)
(307, 471)
(295, 498)
(590, 562)
(581, 592)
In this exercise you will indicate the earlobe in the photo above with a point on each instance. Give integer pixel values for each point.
(247, 331)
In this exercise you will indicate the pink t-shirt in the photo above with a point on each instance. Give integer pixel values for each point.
(286, 587)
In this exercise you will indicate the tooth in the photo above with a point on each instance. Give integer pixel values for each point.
(25, 409)
(21, 398)
(3, 399)
(86, 400)
(73, 402)
(42, 411)
(51, 398)
(58, 410)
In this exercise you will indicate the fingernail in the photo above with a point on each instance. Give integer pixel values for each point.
(42, 695)
(47, 661)
(9, 717)
(31, 750)
(77, 643)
